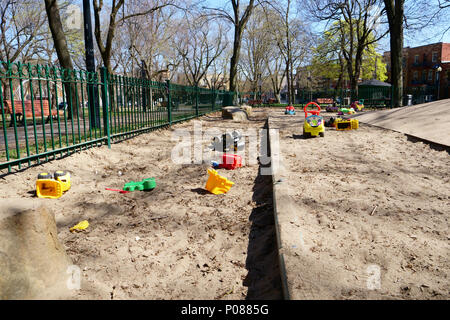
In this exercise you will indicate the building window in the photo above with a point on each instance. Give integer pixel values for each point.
(430, 74)
(424, 75)
(434, 57)
(416, 58)
(415, 75)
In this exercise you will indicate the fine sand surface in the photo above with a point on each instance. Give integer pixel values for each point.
(370, 216)
(177, 241)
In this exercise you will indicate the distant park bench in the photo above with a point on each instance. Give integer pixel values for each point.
(18, 108)
(328, 101)
(254, 102)
(271, 101)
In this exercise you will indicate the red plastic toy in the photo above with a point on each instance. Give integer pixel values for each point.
(314, 112)
(231, 161)
(118, 190)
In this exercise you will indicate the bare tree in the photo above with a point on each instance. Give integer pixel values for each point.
(256, 44)
(116, 18)
(292, 38)
(239, 22)
(21, 25)
(274, 64)
(198, 47)
(60, 43)
(218, 71)
(21, 28)
(151, 40)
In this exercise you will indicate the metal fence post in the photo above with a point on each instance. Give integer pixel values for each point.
(213, 106)
(169, 102)
(197, 113)
(104, 78)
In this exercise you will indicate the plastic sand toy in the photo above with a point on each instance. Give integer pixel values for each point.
(290, 110)
(231, 161)
(146, 184)
(314, 123)
(357, 105)
(346, 124)
(80, 226)
(64, 178)
(217, 184)
(346, 111)
(117, 190)
(52, 185)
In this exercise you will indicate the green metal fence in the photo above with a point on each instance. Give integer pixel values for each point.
(48, 112)
(373, 96)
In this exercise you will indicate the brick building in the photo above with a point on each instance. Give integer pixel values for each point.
(420, 68)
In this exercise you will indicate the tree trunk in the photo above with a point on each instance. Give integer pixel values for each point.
(288, 80)
(278, 97)
(239, 25)
(235, 59)
(292, 87)
(357, 72)
(62, 51)
(340, 81)
(395, 12)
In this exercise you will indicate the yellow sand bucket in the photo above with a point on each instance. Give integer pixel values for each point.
(217, 184)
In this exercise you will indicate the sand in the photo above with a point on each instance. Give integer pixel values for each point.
(367, 202)
(370, 214)
(177, 241)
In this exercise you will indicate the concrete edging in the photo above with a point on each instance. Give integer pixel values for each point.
(274, 154)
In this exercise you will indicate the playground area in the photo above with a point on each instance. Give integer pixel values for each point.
(363, 214)
(177, 241)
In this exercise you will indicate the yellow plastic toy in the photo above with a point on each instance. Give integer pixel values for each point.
(80, 226)
(313, 124)
(52, 186)
(217, 184)
(64, 178)
(346, 124)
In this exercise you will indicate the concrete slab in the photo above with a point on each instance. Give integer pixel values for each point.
(428, 121)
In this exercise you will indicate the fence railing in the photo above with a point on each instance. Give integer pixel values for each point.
(373, 96)
(46, 111)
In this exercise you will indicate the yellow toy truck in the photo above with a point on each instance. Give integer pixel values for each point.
(52, 185)
(346, 124)
(313, 124)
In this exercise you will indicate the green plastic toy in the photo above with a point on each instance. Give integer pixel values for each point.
(146, 184)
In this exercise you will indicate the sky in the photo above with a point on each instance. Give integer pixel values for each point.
(428, 35)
